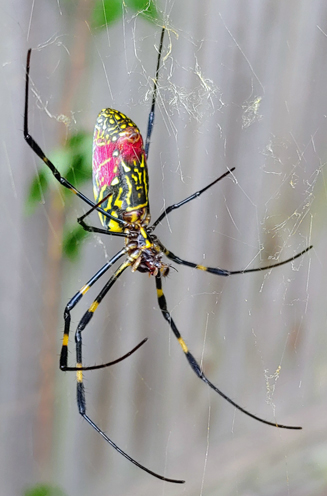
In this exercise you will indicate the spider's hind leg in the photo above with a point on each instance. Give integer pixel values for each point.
(73, 302)
(81, 401)
(194, 364)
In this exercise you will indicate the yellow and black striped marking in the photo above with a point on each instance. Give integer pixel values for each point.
(73, 302)
(79, 373)
(120, 174)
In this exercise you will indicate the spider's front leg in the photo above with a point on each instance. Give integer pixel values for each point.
(224, 272)
(37, 149)
(175, 206)
(211, 270)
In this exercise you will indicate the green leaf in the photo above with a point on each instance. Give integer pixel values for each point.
(74, 160)
(146, 8)
(106, 12)
(44, 490)
(80, 142)
(80, 148)
(73, 240)
(61, 158)
(37, 189)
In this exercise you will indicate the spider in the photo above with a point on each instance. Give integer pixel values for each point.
(120, 182)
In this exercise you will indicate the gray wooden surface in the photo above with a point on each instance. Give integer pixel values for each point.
(243, 84)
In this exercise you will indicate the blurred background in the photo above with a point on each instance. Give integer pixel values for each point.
(242, 83)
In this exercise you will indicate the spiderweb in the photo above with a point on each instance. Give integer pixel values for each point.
(240, 86)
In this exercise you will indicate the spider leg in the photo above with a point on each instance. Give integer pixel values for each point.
(195, 366)
(154, 96)
(109, 441)
(72, 303)
(188, 199)
(79, 369)
(36, 148)
(108, 364)
(224, 272)
(94, 229)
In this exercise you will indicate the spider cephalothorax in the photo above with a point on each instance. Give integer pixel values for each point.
(143, 249)
(144, 253)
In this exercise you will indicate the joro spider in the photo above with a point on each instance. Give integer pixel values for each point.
(120, 181)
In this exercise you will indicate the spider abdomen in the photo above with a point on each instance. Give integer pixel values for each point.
(120, 173)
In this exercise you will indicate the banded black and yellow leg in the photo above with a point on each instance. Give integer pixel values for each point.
(37, 149)
(67, 317)
(196, 367)
(88, 316)
(79, 371)
(73, 302)
(225, 272)
(188, 199)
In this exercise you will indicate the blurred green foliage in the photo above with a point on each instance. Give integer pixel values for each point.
(108, 11)
(74, 161)
(73, 239)
(44, 490)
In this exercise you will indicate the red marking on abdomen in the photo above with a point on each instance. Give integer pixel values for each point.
(104, 164)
